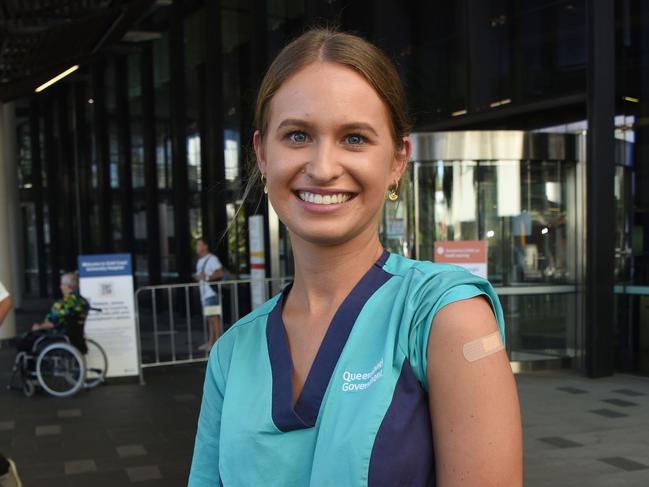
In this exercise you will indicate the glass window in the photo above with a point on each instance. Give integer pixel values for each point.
(521, 208)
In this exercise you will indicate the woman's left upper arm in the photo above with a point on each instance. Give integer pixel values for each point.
(474, 406)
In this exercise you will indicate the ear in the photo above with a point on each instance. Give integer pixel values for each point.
(401, 158)
(259, 151)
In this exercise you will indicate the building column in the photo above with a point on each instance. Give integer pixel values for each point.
(151, 193)
(9, 209)
(100, 122)
(600, 203)
(177, 113)
(37, 191)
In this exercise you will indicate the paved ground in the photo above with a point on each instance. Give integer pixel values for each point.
(577, 431)
(585, 432)
(109, 436)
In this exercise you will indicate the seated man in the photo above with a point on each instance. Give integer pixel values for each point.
(67, 315)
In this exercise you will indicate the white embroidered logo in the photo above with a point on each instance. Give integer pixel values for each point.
(358, 381)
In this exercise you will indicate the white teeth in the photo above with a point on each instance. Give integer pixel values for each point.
(328, 199)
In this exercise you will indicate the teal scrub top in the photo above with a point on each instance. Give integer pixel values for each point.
(362, 417)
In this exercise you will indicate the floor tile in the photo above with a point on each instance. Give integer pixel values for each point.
(79, 466)
(620, 402)
(629, 392)
(624, 463)
(48, 430)
(572, 390)
(125, 451)
(69, 413)
(560, 442)
(608, 413)
(140, 474)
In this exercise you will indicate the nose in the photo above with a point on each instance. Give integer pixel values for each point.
(324, 165)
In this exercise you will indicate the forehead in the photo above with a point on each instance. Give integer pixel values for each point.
(328, 92)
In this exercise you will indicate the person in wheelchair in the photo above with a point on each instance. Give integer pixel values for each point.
(55, 355)
(66, 316)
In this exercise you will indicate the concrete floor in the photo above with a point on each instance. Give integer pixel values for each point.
(585, 432)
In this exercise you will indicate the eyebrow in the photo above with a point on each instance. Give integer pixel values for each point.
(293, 121)
(346, 127)
(360, 126)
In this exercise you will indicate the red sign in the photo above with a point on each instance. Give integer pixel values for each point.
(470, 254)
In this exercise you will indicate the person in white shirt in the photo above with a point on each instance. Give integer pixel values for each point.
(208, 269)
(5, 303)
(8, 473)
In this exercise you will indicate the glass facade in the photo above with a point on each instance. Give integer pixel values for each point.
(148, 147)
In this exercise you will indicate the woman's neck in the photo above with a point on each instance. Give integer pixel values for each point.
(324, 275)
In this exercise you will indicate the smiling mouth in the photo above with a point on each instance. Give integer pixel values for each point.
(324, 199)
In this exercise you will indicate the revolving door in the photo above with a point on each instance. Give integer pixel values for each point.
(520, 193)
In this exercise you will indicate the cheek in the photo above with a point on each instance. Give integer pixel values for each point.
(282, 165)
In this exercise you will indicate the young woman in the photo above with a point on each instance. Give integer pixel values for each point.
(370, 369)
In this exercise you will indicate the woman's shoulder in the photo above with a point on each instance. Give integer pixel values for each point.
(423, 271)
(253, 322)
(251, 328)
(433, 284)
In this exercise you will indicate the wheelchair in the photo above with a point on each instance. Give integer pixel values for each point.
(59, 363)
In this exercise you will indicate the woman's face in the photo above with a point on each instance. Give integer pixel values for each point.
(328, 154)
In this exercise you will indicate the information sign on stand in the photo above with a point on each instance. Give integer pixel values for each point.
(470, 254)
(106, 281)
(258, 293)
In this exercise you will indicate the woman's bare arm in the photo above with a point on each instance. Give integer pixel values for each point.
(474, 406)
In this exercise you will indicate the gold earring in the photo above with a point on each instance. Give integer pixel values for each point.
(263, 181)
(393, 195)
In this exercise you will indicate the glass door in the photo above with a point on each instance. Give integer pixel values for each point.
(524, 204)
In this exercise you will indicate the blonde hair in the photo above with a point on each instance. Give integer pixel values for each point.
(329, 45)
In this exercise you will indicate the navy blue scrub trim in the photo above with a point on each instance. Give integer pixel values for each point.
(403, 447)
(307, 407)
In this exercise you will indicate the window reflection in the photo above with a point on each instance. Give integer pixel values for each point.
(521, 208)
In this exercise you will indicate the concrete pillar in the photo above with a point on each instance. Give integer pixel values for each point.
(8, 211)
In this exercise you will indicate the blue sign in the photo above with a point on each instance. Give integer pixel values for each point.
(100, 265)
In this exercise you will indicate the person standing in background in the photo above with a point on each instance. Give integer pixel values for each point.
(208, 269)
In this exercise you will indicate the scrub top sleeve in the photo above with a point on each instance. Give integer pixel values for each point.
(205, 462)
(435, 296)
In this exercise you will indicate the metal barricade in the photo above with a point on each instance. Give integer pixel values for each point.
(171, 325)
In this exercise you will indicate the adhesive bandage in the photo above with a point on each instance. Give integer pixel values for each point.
(483, 347)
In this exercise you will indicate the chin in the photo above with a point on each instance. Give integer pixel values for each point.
(328, 235)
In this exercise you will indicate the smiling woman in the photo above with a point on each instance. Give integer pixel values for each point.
(355, 374)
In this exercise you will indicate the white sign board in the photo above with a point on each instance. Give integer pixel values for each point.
(106, 281)
(257, 260)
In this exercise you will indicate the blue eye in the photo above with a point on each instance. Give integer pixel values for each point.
(297, 137)
(355, 139)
